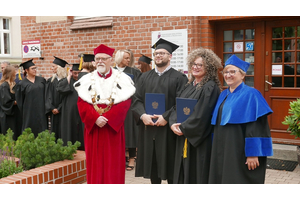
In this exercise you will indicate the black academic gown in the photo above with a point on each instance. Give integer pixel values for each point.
(31, 102)
(71, 124)
(53, 100)
(197, 129)
(228, 152)
(81, 74)
(130, 126)
(9, 113)
(170, 84)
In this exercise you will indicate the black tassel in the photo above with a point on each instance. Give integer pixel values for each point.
(90, 87)
(119, 86)
(77, 84)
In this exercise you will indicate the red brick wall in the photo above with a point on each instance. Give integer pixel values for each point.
(129, 32)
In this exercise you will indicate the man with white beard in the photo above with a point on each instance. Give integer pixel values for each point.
(103, 102)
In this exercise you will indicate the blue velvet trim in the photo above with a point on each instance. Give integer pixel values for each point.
(257, 146)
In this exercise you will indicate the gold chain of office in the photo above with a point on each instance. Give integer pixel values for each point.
(111, 98)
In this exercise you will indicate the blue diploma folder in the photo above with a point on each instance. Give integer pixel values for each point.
(155, 104)
(130, 75)
(184, 108)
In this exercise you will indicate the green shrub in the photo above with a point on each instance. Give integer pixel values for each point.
(6, 141)
(8, 165)
(293, 120)
(43, 149)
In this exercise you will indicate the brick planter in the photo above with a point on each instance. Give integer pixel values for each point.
(61, 172)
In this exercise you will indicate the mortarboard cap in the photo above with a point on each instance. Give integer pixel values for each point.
(27, 64)
(104, 49)
(145, 59)
(234, 60)
(164, 44)
(88, 57)
(59, 61)
(75, 67)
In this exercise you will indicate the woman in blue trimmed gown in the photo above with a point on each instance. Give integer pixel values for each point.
(242, 139)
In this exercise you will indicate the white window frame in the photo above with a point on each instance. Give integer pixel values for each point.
(2, 31)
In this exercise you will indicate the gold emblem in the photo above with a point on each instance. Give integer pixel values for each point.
(155, 105)
(186, 111)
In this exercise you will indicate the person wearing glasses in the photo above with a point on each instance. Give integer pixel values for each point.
(30, 97)
(71, 125)
(242, 139)
(194, 135)
(103, 102)
(156, 145)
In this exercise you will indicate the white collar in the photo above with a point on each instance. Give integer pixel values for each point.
(120, 68)
(161, 73)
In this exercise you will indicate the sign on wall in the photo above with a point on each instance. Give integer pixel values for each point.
(31, 48)
(178, 37)
(238, 46)
(276, 69)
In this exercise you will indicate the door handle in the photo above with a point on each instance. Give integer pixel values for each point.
(269, 83)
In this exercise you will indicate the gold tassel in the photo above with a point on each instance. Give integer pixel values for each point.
(81, 61)
(185, 148)
(20, 77)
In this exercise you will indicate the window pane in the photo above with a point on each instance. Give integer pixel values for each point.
(298, 69)
(298, 56)
(298, 81)
(6, 43)
(227, 46)
(249, 57)
(249, 81)
(250, 70)
(289, 44)
(249, 46)
(289, 70)
(249, 34)
(298, 31)
(227, 35)
(288, 81)
(225, 57)
(240, 56)
(289, 56)
(277, 57)
(277, 45)
(277, 81)
(277, 32)
(298, 44)
(238, 34)
(5, 24)
(289, 31)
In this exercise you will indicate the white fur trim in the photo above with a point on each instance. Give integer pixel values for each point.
(105, 87)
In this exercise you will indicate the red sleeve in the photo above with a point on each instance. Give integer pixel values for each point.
(117, 114)
(87, 114)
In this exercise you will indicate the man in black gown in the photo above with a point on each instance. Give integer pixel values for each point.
(53, 97)
(156, 145)
(71, 125)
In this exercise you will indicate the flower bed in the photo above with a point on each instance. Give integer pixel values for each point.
(61, 172)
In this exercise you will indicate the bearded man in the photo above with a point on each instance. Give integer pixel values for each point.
(103, 102)
(156, 145)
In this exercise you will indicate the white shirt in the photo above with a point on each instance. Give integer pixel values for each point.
(161, 73)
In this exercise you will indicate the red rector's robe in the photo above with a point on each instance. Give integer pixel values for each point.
(104, 147)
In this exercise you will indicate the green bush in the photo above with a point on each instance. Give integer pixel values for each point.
(43, 149)
(293, 120)
(8, 165)
(6, 141)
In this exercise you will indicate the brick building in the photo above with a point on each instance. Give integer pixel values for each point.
(268, 43)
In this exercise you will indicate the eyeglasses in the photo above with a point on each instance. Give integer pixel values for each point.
(230, 72)
(160, 54)
(197, 65)
(103, 59)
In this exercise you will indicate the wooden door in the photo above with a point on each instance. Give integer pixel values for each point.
(282, 72)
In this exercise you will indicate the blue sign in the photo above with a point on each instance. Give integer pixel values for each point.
(249, 46)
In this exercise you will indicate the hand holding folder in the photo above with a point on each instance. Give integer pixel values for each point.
(155, 104)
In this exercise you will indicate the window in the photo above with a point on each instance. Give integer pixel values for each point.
(286, 56)
(82, 22)
(5, 34)
(241, 43)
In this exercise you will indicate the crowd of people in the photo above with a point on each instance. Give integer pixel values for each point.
(104, 102)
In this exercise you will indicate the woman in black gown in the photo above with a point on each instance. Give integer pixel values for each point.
(30, 96)
(9, 112)
(194, 134)
(242, 139)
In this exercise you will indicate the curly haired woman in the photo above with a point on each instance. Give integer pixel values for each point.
(194, 134)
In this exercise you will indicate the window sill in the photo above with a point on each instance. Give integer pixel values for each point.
(94, 22)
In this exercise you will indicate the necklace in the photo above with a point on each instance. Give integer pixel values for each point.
(96, 98)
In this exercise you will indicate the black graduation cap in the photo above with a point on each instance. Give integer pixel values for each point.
(75, 67)
(27, 64)
(59, 61)
(164, 44)
(88, 57)
(145, 59)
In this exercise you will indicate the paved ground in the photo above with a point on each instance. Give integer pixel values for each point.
(272, 177)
